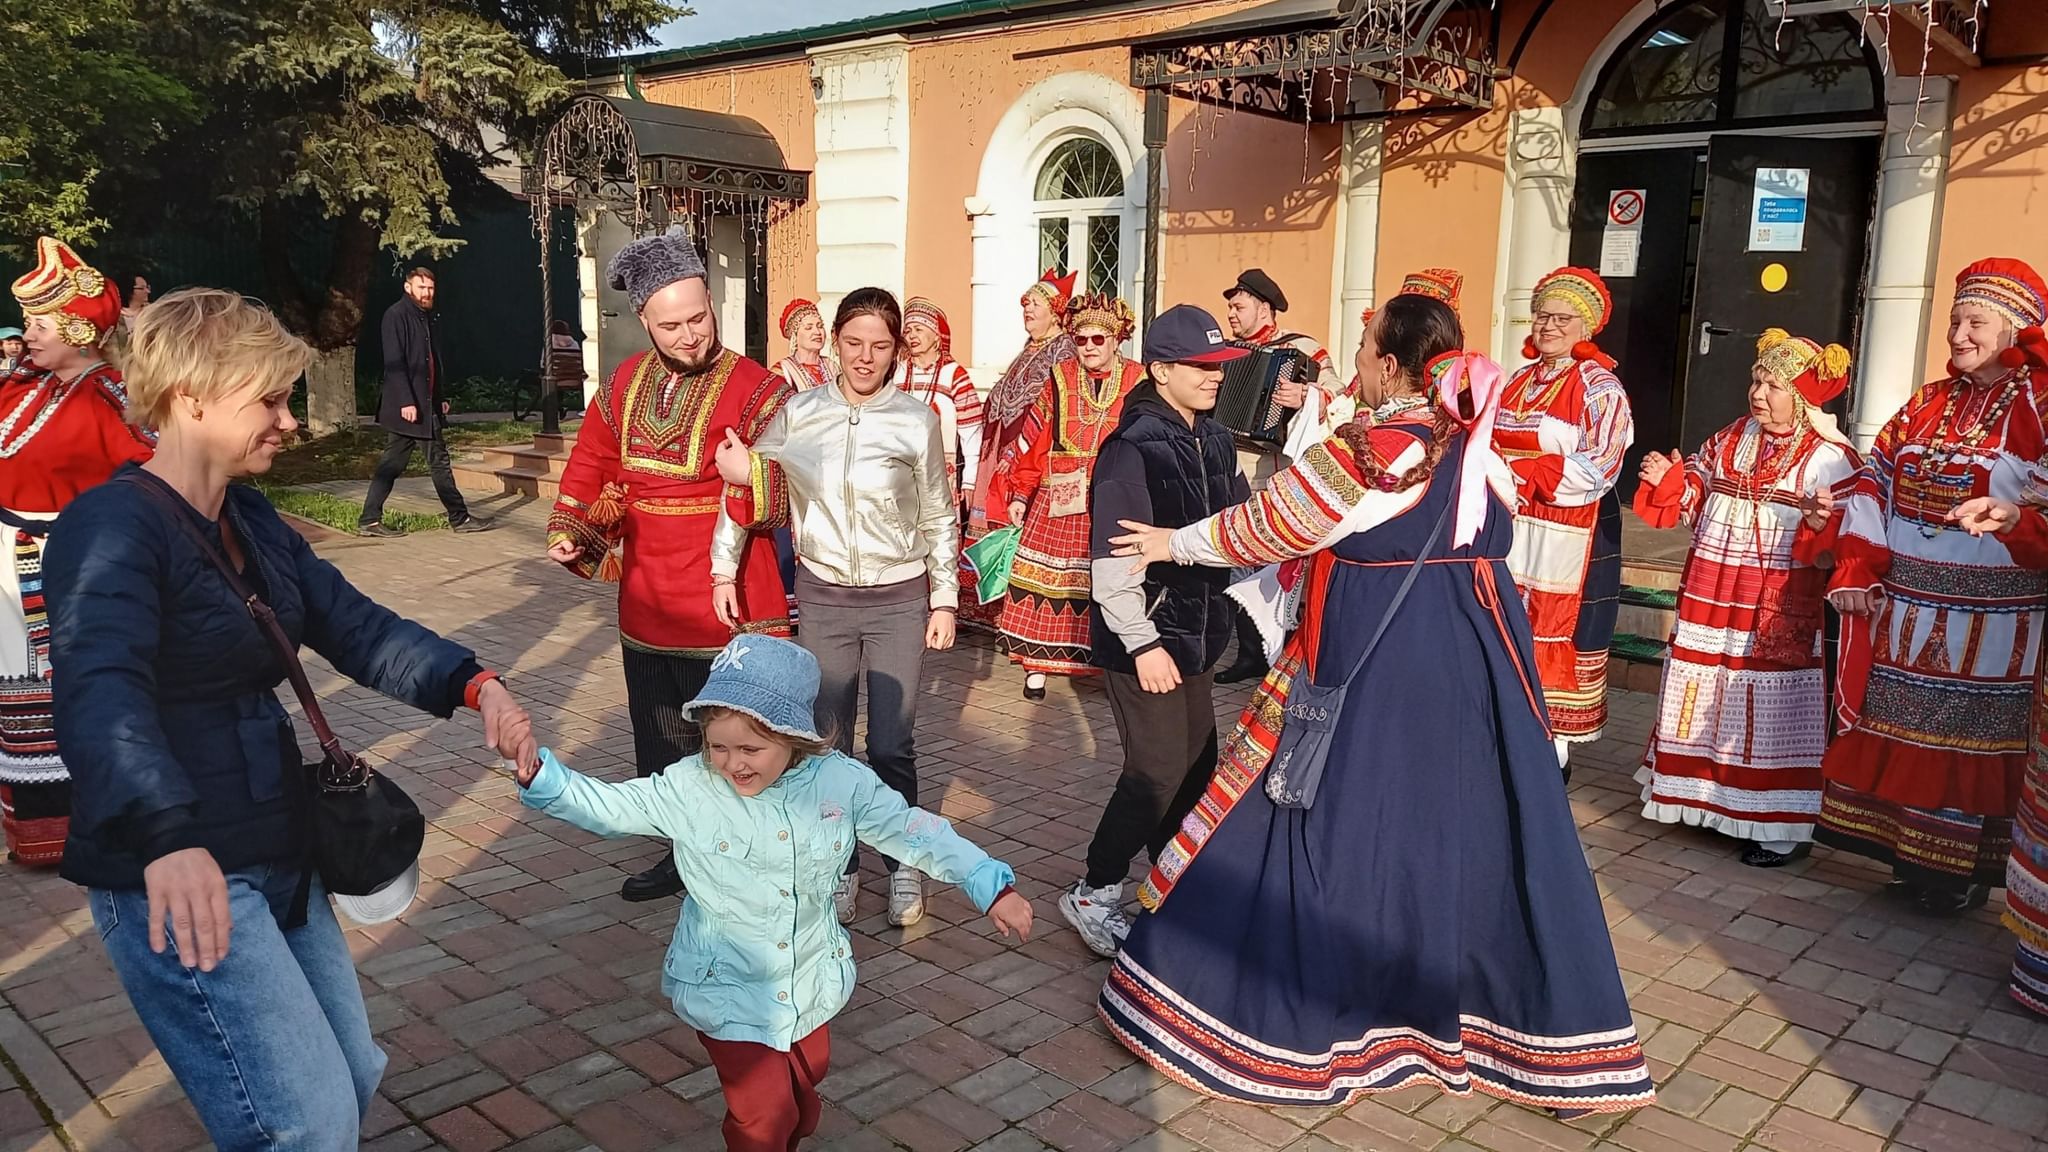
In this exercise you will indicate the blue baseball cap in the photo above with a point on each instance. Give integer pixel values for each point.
(768, 678)
(1185, 334)
(10, 334)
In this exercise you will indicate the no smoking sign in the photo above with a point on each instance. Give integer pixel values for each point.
(1625, 207)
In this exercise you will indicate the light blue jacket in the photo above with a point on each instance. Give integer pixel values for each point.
(758, 955)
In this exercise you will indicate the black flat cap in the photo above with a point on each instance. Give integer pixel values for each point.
(1256, 282)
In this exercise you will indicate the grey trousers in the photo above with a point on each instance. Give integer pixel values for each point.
(887, 641)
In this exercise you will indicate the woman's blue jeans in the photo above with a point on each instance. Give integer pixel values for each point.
(273, 1046)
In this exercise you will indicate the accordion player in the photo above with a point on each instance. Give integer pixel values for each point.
(1245, 403)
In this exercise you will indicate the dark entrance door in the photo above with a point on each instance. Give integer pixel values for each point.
(1756, 269)
(1645, 335)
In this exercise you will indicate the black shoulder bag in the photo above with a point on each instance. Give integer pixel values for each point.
(364, 831)
(1310, 717)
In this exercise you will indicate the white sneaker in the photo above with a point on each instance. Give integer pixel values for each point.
(906, 897)
(844, 896)
(1098, 915)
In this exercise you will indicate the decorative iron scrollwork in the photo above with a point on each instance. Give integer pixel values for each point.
(1425, 56)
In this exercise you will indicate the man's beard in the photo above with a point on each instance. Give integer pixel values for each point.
(704, 359)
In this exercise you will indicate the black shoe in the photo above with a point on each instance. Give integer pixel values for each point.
(471, 524)
(1757, 856)
(1242, 669)
(378, 529)
(1948, 902)
(1037, 693)
(653, 884)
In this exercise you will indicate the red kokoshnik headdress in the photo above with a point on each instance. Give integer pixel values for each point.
(1055, 289)
(83, 304)
(2013, 290)
(795, 310)
(1443, 284)
(1584, 292)
(1104, 310)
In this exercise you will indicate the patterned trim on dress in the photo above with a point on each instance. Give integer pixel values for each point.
(676, 420)
(1598, 1071)
(28, 721)
(1925, 845)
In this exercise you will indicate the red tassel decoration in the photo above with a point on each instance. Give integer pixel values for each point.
(1587, 350)
(611, 571)
(2032, 346)
(1529, 348)
(2013, 357)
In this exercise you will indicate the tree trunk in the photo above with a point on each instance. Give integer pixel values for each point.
(331, 391)
(331, 381)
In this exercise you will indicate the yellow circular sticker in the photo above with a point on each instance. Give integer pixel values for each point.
(1774, 277)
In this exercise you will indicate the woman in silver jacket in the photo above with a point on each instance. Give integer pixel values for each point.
(858, 468)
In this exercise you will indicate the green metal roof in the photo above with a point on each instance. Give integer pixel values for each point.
(930, 17)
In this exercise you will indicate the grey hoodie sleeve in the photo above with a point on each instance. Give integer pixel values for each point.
(1118, 582)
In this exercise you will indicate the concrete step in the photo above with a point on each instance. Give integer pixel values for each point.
(532, 470)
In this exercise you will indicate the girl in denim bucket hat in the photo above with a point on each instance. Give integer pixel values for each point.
(763, 821)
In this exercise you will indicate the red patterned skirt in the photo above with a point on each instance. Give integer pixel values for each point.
(1045, 616)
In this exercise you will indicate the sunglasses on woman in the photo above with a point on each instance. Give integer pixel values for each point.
(1093, 339)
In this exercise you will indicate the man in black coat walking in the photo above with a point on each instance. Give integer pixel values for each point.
(411, 408)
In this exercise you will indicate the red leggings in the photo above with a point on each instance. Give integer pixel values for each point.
(771, 1097)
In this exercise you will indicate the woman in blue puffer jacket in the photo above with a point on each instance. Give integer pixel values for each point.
(182, 825)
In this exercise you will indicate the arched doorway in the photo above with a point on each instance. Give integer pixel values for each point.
(1727, 172)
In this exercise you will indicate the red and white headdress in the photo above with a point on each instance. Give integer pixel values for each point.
(1818, 374)
(922, 312)
(2013, 290)
(796, 309)
(83, 303)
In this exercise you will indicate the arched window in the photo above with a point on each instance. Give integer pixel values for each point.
(1788, 70)
(1078, 198)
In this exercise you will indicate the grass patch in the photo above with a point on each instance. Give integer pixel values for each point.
(353, 455)
(341, 514)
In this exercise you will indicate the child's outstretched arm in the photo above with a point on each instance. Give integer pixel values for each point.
(926, 841)
(626, 808)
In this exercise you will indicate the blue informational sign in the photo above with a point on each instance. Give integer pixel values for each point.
(1777, 216)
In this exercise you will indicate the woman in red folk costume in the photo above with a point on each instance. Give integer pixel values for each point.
(1564, 428)
(805, 367)
(1942, 620)
(1044, 487)
(1009, 402)
(929, 373)
(1743, 715)
(63, 429)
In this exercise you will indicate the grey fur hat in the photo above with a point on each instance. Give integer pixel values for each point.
(651, 263)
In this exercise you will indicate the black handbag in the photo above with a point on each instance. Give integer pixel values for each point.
(364, 831)
(1310, 717)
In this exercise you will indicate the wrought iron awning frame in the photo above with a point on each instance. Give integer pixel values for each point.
(1404, 47)
(590, 160)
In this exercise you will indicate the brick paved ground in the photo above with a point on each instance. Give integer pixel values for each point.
(1785, 1011)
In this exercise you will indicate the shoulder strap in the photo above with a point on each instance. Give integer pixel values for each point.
(1407, 582)
(266, 620)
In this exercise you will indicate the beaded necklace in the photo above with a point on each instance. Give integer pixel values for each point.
(1553, 387)
(46, 397)
(1956, 443)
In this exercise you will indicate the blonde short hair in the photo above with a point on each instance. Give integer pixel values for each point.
(210, 344)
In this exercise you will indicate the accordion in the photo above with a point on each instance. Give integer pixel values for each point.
(1245, 403)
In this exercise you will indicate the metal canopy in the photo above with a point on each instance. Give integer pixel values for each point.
(710, 151)
(1329, 59)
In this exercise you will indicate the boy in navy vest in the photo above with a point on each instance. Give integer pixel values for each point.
(1158, 630)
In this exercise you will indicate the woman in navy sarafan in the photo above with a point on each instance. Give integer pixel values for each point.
(1430, 918)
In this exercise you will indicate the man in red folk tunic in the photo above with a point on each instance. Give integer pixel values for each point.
(640, 497)
(62, 430)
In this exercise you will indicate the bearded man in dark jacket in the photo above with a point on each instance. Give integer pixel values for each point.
(413, 407)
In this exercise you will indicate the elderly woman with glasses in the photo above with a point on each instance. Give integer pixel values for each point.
(1564, 427)
(1045, 621)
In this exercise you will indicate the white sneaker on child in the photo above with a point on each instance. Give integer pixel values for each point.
(1098, 915)
(844, 896)
(906, 897)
